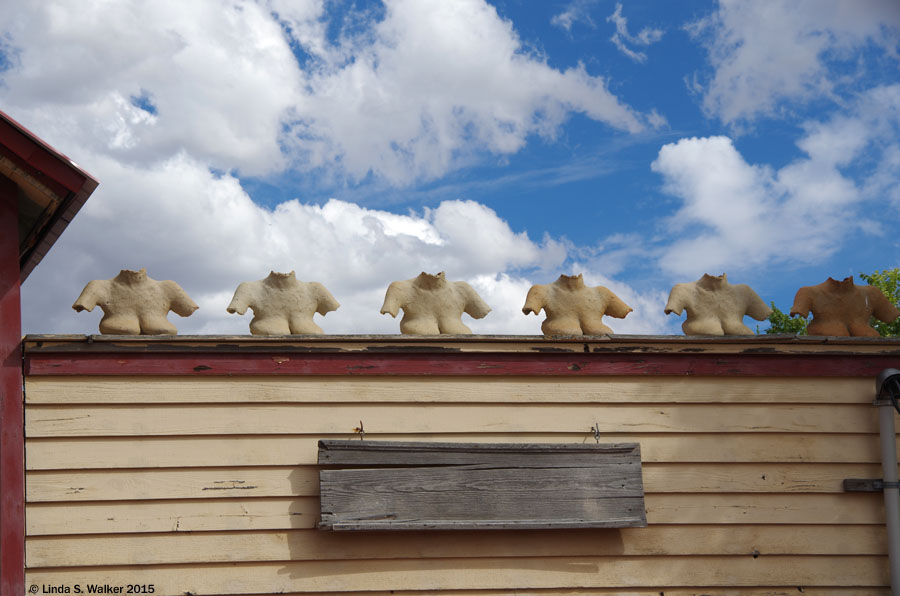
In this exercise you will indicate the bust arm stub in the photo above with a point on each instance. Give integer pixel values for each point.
(803, 301)
(882, 308)
(475, 307)
(326, 303)
(243, 298)
(756, 308)
(395, 298)
(535, 299)
(94, 293)
(179, 302)
(678, 299)
(616, 307)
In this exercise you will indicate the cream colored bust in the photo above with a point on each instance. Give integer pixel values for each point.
(282, 305)
(432, 305)
(714, 307)
(573, 308)
(134, 304)
(842, 308)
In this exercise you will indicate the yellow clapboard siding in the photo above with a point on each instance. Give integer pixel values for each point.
(237, 419)
(752, 477)
(116, 485)
(150, 390)
(172, 516)
(227, 547)
(248, 482)
(303, 512)
(293, 450)
(436, 574)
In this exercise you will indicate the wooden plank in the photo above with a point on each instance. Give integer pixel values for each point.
(285, 481)
(242, 344)
(463, 498)
(623, 515)
(151, 390)
(779, 343)
(239, 419)
(409, 453)
(294, 450)
(451, 363)
(128, 517)
(501, 573)
(298, 545)
(479, 485)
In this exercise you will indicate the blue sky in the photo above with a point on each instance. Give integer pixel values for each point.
(640, 143)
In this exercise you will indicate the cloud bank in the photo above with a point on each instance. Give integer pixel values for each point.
(183, 222)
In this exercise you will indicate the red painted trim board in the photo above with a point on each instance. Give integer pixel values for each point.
(457, 363)
(12, 452)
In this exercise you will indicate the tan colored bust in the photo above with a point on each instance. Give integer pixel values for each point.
(134, 304)
(282, 305)
(432, 305)
(573, 308)
(714, 307)
(843, 309)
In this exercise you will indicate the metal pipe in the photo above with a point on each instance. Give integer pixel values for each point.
(887, 391)
(891, 490)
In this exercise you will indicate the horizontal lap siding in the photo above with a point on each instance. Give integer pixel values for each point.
(286, 481)
(209, 485)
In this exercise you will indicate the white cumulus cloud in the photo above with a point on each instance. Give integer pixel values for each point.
(764, 54)
(435, 84)
(424, 88)
(736, 215)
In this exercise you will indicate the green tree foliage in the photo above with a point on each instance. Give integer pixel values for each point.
(888, 281)
(782, 322)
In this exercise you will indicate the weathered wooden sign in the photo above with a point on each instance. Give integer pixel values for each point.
(385, 485)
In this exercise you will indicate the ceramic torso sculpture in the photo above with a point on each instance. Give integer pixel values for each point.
(842, 308)
(572, 308)
(714, 307)
(134, 304)
(282, 305)
(433, 305)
